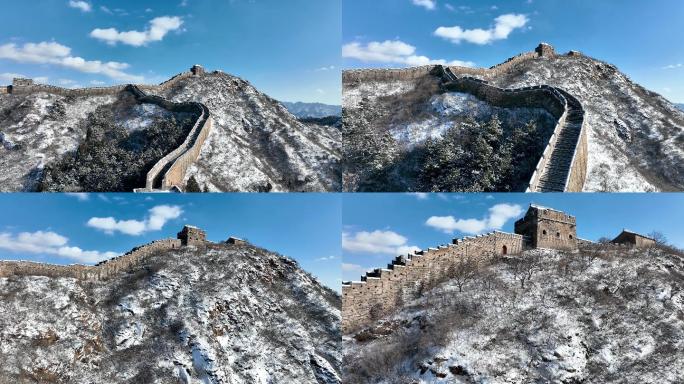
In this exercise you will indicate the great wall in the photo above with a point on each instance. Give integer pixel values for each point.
(168, 174)
(381, 291)
(562, 166)
(188, 236)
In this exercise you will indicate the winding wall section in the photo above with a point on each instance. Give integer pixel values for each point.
(101, 271)
(381, 291)
(169, 172)
(562, 166)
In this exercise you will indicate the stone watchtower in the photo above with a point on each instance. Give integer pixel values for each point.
(545, 50)
(197, 70)
(190, 235)
(19, 82)
(548, 228)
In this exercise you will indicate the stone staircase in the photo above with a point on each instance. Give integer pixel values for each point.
(554, 169)
(554, 175)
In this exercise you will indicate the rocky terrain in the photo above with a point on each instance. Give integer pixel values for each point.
(217, 314)
(636, 137)
(255, 143)
(604, 314)
(315, 110)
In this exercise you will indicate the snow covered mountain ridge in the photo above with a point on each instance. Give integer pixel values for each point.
(254, 143)
(598, 315)
(179, 310)
(312, 110)
(635, 137)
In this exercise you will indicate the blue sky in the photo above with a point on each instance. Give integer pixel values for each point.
(67, 229)
(643, 38)
(378, 227)
(288, 49)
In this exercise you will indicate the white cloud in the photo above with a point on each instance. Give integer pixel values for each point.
(97, 82)
(498, 215)
(84, 6)
(493, 7)
(327, 258)
(421, 195)
(328, 68)
(503, 26)
(106, 10)
(385, 242)
(81, 196)
(674, 66)
(427, 4)
(347, 267)
(58, 54)
(393, 51)
(50, 243)
(158, 216)
(159, 27)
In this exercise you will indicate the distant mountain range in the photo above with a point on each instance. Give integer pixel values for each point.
(680, 106)
(317, 110)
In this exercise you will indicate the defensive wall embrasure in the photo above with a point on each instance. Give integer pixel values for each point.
(169, 172)
(189, 236)
(381, 291)
(554, 100)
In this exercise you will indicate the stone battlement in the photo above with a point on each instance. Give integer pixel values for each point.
(379, 291)
(383, 290)
(189, 236)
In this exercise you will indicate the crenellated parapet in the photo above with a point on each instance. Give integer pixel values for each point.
(189, 236)
(381, 291)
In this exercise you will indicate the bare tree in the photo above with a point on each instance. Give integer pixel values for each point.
(603, 240)
(463, 271)
(523, 268)
(659, 238)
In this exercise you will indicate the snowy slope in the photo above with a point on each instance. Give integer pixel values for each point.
(33, 132)
(303, 110)
(636, 137)
(256, 144)
(616, 318)
(224, 314)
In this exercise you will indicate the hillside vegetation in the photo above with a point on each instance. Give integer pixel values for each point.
(604, 314)
(216, 314)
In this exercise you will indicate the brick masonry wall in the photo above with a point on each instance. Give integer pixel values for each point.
(381, 291)
(175, 176)
(101, 271)
(578, 170)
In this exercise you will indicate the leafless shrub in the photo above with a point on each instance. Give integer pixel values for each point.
(463, 271)
(523, 268)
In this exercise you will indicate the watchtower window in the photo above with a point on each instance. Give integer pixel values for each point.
(558, 234)
(544, 232)
(570, 237)
(504, 250)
